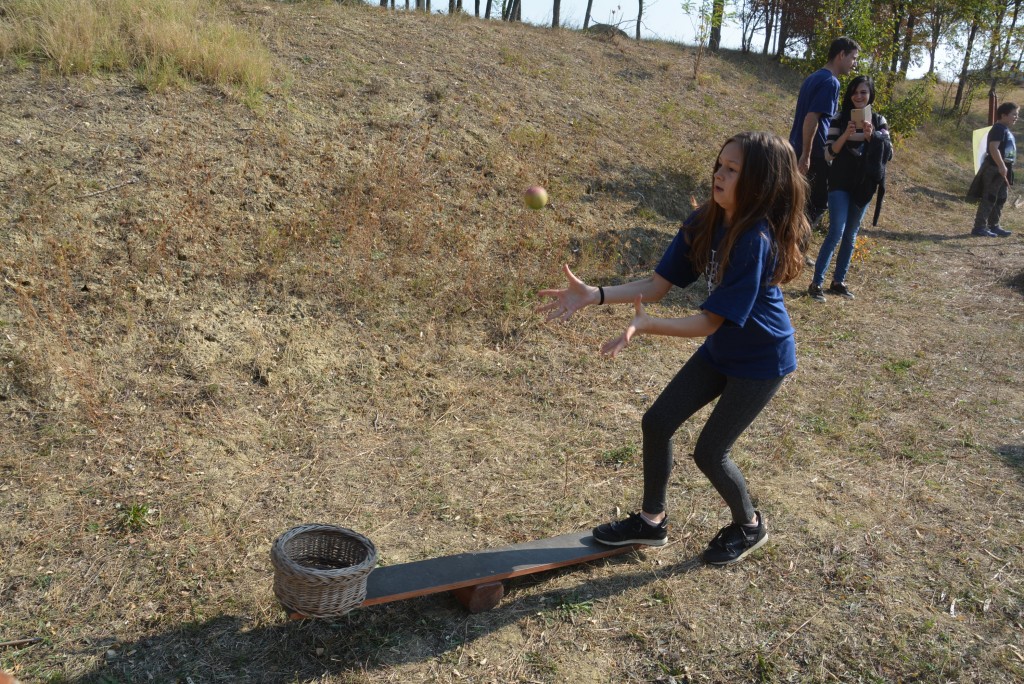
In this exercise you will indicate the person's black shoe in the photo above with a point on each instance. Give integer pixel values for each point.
(982, 232)
(734, 542)
(999, 232)
(632, 530)
(815, 293)
(841, 290)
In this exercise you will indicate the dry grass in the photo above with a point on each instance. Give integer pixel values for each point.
(166, 42)
(217, 324)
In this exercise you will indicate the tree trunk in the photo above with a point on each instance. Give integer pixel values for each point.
(639, 17)
(995, 40)
(451, 7)
(1013, 26)
(967, 65)
(487, 11)
(769, 23)
(717, 14)
(746, 36)
(586, 17)
(908, 43)
(937, 25)
(782, 35)
(555, 10)
(897, 35)
(476, 10)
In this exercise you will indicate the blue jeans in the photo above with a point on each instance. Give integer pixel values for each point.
(844, 219)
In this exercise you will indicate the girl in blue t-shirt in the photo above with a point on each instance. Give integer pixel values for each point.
(745, 242)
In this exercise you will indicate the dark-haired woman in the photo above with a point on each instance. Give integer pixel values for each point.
(851, 182)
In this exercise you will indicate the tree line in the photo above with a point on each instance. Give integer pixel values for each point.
(984, 38)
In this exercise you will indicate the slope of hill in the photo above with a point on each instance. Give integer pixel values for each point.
(219, 321)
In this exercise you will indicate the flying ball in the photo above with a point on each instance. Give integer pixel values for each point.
(536, 197)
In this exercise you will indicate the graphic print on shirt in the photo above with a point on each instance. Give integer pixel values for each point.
(711, 272)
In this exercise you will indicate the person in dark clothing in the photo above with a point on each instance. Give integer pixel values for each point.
(996, 173)
(745, 242)
(857, 158)
(815, 106)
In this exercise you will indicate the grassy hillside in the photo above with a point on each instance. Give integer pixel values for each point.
(225, 316)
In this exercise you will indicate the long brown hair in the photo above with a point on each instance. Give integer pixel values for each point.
(771, 187)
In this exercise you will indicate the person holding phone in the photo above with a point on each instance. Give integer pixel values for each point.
(851, 181)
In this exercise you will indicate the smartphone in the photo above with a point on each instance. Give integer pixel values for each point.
(859, 116)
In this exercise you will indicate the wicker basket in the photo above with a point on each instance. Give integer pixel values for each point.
(321, 570)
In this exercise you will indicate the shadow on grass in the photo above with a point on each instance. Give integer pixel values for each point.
(766, 67)
(664, 192)
(934, 194)
(635, 251)
(1013, 454)
(1016, 282)
(909, 235)
(227, 648)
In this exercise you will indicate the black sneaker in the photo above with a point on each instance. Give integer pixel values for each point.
(815, 293)
(632, 530)
(841, 290)
(999, 232)
(734, 542)
(982, 232)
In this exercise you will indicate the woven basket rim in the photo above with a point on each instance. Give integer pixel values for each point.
(282, 561)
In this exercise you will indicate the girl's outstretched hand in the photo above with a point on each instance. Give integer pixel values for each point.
(568, 301)
(639, 322)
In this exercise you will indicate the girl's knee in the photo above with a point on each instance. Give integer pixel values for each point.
(656, 424)
(709, 459)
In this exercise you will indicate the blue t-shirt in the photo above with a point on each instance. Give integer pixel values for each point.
(819, 93)
(756, 339)
(1001, 134)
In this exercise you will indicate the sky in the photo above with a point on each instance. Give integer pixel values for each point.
(663, 19)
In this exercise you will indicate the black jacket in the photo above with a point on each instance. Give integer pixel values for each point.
(859, 167)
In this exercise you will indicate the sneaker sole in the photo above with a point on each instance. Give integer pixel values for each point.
(740, 557)
(630, 542)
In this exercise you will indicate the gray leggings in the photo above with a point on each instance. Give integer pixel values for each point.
(697, 384)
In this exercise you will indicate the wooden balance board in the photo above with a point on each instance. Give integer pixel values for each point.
(475, 578)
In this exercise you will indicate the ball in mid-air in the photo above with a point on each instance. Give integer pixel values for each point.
(536, 197)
